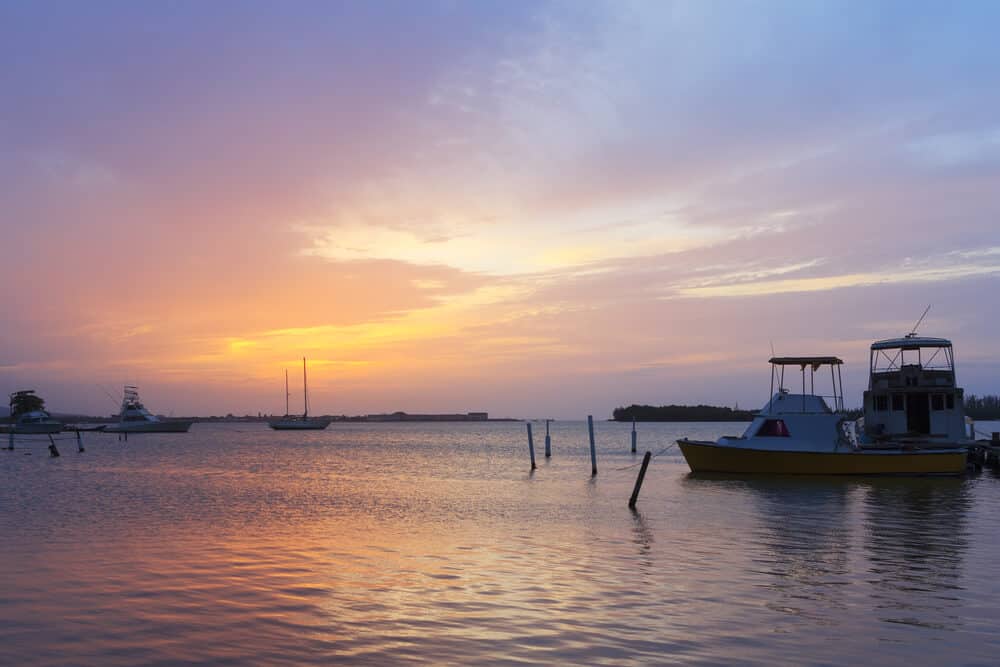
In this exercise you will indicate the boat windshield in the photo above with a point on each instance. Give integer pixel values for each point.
(931, 357)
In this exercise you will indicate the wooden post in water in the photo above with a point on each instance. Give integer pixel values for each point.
(593, 451)
(531, 446)
(53, 450)
(548, 440)
(638, 480)
(635, 438)
(79, 441)
(972, 430)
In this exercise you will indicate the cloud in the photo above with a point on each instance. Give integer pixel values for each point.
(957, 149)
(553, 202)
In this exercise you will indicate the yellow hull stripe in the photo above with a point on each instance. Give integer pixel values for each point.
(708, 457)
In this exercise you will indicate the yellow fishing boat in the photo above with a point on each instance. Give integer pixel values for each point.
(801, 434)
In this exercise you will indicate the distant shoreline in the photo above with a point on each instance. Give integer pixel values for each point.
(250, 419)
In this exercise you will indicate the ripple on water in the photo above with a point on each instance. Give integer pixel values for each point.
(430, 544)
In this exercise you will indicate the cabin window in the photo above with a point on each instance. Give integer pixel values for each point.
(897, 402)
(937, 401)
(949, 401)
(881, 403)
(774, 428)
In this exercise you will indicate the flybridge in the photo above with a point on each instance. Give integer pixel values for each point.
(912, 390)
(808, 398)
(912, 360)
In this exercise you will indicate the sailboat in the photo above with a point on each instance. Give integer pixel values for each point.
(301, 422)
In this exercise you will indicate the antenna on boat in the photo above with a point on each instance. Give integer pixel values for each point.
(114, 401)
(915, 326)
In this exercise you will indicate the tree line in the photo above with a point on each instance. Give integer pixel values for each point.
(982, 407)
(976, 407)
(680, 413)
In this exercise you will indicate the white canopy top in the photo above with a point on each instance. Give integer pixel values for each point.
(910, 343)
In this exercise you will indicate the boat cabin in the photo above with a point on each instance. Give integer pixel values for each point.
(912, 390)
(132, 408)
(799, 421)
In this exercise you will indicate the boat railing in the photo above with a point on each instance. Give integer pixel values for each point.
(812, 364)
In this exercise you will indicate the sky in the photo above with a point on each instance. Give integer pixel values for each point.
(536, 209)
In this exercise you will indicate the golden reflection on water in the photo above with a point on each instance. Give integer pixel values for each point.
(435, 545)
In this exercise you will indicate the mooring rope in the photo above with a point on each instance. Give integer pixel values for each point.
(662, 451)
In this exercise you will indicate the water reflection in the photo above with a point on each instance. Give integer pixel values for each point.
(804, 541)
(642, 537)
(916, 535)
(818, 542)
(251, 548)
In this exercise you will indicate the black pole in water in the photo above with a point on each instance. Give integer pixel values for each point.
(53, 450)
(638, 480)
(548, 440)
(531, 446)
(10, 440)
(593, 452)
(634, 436)
(79, 442)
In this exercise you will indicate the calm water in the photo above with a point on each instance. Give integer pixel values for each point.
(383, 544)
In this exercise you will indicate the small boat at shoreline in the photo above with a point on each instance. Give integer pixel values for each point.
(800, 434)
(28, 415)
(301, 422)
(135, 418)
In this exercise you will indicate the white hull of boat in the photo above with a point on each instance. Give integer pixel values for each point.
(34, 429)
(299, 424)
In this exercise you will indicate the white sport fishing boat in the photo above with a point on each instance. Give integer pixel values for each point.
(135, 418)
(34, 420)
(301, 422)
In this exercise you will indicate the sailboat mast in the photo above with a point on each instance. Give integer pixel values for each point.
(286, 391)
(305, 390)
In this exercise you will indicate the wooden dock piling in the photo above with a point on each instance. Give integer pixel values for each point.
(548, 440)
(593, 451)
(79, 441)
(531, 446)
(635, 437)
(639, 479)
(53, 450)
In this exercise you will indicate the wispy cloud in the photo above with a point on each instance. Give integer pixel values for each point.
(540, 203)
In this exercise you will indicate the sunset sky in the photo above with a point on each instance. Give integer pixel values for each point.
(531, 208)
